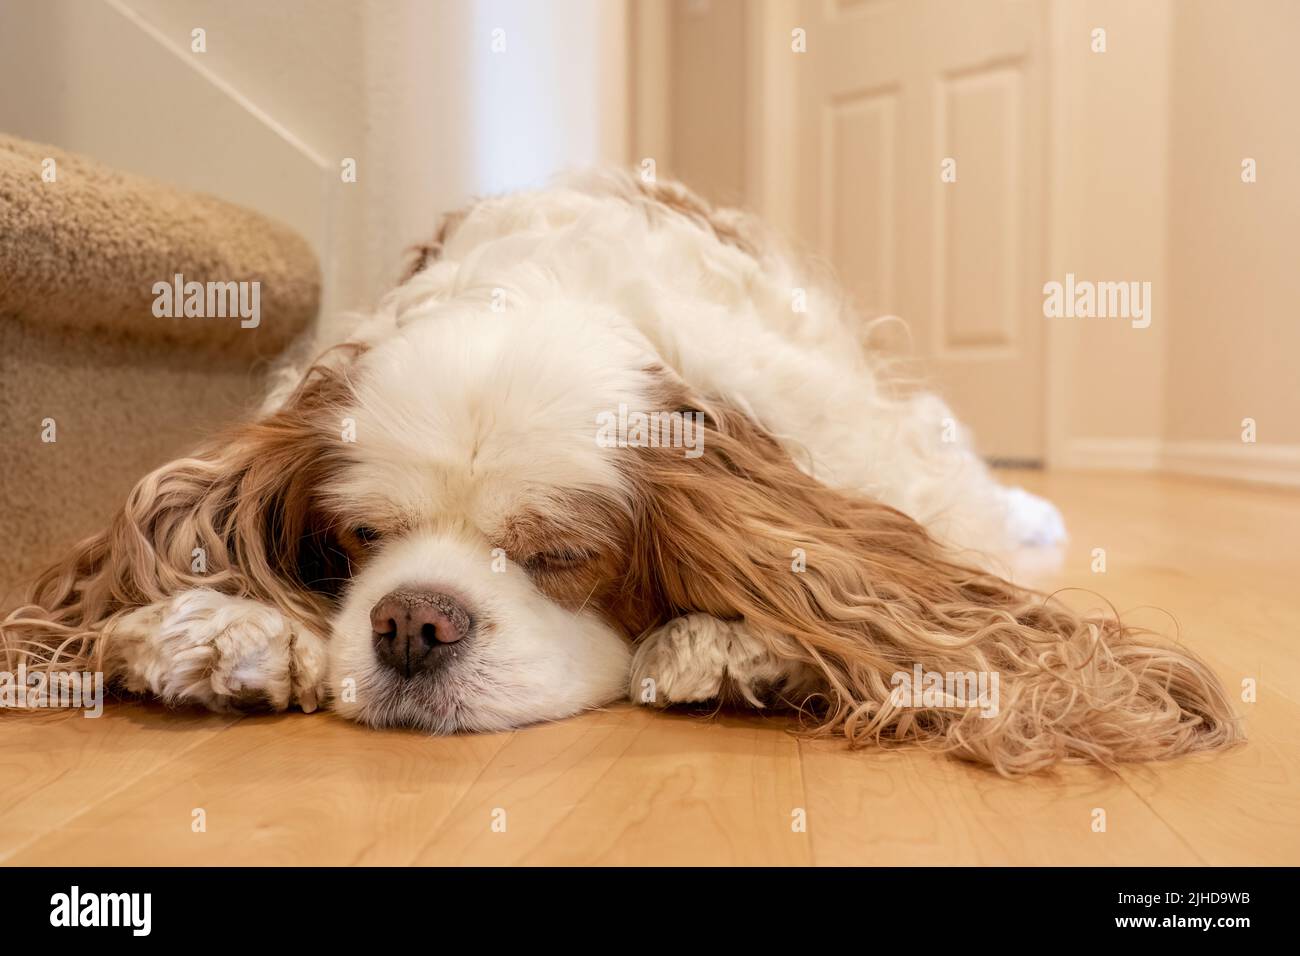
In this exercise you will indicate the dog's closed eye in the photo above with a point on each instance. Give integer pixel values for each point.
(556, 559)
(366, 534)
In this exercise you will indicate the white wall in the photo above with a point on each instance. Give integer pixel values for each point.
(1233, 245)
(1153, 134)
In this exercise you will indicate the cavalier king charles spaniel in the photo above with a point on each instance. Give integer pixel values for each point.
(605, 441)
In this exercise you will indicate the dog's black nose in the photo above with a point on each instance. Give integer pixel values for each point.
(416, 630)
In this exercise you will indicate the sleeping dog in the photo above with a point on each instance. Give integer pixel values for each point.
(606, 441)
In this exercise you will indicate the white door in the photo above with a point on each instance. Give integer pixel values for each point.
(914, 152)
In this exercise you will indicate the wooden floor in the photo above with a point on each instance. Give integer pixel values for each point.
(628, 786)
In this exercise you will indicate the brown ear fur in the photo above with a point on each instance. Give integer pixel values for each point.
(245, 499)
(718, 534)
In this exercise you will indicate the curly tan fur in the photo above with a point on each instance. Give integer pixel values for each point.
(717, 534)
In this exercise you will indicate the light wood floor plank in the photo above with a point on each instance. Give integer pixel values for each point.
(691, 790)
(54, 767)
(289, 789)
(1240, 808)
(914, 809)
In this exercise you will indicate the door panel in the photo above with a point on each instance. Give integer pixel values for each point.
(887, 91)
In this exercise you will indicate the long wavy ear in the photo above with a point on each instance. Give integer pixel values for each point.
(238, 517)
(722, 533)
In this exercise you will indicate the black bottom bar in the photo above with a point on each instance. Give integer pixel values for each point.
(307, 906)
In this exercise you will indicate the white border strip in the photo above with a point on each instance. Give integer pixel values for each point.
(1234, 461)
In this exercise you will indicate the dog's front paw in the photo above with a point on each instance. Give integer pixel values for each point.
(222, 652)
(698, 658)
(684, 661)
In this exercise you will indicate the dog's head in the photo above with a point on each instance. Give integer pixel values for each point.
(487, 526)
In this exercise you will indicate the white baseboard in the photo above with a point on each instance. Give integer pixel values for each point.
(1235, 461)
(1267, 464)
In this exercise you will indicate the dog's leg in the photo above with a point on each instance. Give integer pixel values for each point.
(225, 653)
(698, 658)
